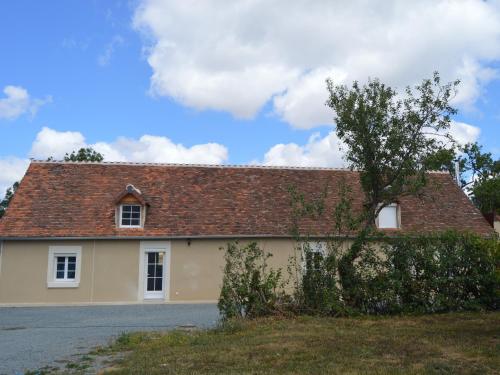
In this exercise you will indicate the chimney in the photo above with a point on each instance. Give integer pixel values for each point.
(457, 172)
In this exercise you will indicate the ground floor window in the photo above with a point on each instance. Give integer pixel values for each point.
(64, 266)
(313, 254)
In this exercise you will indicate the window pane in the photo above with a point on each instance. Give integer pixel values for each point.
(61, 260)
(71, 266)
(151, 270)
(158, 283)
(71, 274)
(72, 259)
(131, 215)
(60, 266)
(151, 284)
(159, 271)
(151, 257)
(60, 275)
(388, 217)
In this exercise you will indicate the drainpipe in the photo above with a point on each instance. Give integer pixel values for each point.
(1, 254)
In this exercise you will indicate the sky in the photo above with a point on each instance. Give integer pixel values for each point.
(225, 82)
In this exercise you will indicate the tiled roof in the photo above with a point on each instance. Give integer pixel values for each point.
(65, 199)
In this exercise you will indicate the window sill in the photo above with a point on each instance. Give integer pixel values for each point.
(63, 284)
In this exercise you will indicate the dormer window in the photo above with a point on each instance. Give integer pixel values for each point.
(130, 215)
(130, 208)
(389, 217)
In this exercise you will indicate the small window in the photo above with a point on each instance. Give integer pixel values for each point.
(388, 217)
(130, 215)
(313, 254)
(64, 266)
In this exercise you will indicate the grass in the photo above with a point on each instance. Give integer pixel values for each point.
(465, 343)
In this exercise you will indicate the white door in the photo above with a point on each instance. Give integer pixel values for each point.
(154, 274)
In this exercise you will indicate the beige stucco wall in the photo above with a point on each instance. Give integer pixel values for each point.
(110, 270)
(496, 224)
(23, 274)
(116, 271)
(197, 268)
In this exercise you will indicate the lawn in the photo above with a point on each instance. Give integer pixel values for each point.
(466, 343)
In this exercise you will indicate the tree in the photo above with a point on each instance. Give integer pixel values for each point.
(83, 154)
(8, 197)
(389, 138)
(486, 195)
(481, 177)
(479, 173)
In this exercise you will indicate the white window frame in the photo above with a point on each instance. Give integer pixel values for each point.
(63, 251)
(65, 271)
(121, 216)
(398, 217)
(319, 247)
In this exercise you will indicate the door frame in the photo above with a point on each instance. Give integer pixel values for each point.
(151, 246)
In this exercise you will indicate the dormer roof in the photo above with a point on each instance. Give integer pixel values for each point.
(131, 190)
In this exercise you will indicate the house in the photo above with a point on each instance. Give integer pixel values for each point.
(494, 221)
(133, 233)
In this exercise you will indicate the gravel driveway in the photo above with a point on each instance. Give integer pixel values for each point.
(33, 337)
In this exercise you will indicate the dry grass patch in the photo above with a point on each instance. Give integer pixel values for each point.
(467, 343)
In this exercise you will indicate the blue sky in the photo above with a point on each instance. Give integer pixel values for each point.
(215, 82)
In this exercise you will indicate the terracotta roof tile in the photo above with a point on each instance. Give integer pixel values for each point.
(57, 199)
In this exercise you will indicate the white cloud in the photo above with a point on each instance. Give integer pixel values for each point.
(464, 133)
(236, 56)
(12, 169)
(318, 152)
(51, 143)
(105, 57)
(327, 151)
(17, 102)
(147, 148)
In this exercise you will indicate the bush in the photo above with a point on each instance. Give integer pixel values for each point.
(317, 290)
(445, 272)
(249, 288)
(412, 274)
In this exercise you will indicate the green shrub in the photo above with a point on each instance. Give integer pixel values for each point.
(443, 272)
(411, 274)
(249, 288)
(317, 290)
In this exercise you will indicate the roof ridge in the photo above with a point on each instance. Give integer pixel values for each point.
(201, 165)
(239, 166)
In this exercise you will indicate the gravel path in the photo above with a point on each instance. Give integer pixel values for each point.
(33, 337)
